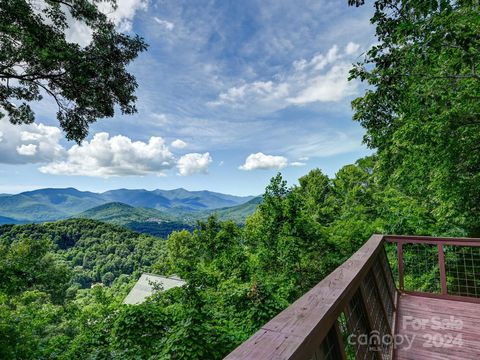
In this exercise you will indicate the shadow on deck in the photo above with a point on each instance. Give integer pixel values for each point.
(397, 297)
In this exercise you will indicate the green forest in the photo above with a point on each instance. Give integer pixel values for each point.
(62, 283)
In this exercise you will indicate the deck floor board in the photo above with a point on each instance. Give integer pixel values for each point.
(450, 330)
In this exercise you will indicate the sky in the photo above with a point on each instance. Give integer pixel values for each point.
(230, 93)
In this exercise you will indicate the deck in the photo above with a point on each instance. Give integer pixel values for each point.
(397, 297)
(456, 338)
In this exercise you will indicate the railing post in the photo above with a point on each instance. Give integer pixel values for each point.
(400, 264)
(441, 266)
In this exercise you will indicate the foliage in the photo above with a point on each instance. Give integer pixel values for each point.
(421, 111)
(36, 58)
(92, 251)
(237, 213)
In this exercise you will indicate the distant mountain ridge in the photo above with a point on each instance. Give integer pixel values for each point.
(54, 204)
(160, 223)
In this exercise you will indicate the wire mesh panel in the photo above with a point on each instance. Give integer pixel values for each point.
(421, 272)
(330, 347)
(385, 297)
(462, 268)
(355, 328)
(377, 316)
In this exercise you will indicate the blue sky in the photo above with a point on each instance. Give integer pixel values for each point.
(229, 93)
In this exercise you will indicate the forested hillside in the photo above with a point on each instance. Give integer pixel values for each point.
(142, 220)
(161, 223)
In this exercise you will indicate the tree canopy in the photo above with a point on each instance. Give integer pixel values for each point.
(421, 111)
(36, 59)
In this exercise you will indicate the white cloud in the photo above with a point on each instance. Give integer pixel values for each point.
(193, 163)
(262, 161)
(257, 91)
(179, 144)
(80, 33)
(352, 48)
(297, 163)
(106, 156)
(159, 119)
(34, 143)
(123, 15)
(323, 78)
(164, 23)
(103, 156)
(27, 150)
(332, 86)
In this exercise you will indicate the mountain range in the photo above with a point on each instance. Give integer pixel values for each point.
(123, 206)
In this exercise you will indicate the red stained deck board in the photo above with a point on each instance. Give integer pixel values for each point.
(440, 348)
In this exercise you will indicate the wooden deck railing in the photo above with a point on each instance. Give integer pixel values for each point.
(360, 298)
(357, 298)
(447, 268)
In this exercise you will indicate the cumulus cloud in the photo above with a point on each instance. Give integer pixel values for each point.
(178, 144)
(106, 156)
(34, 143)
(194, 163)
(167, 25)
(262, 161)
(27, 150)
(103, 156)
(322, 78)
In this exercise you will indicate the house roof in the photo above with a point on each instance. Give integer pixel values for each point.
(145, 287)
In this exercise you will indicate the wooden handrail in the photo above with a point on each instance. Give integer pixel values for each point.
(298, 331)
(459, 241)
(439, 243)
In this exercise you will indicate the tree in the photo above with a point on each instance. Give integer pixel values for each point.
(36, 59)
(421, 110)
(27, 264)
